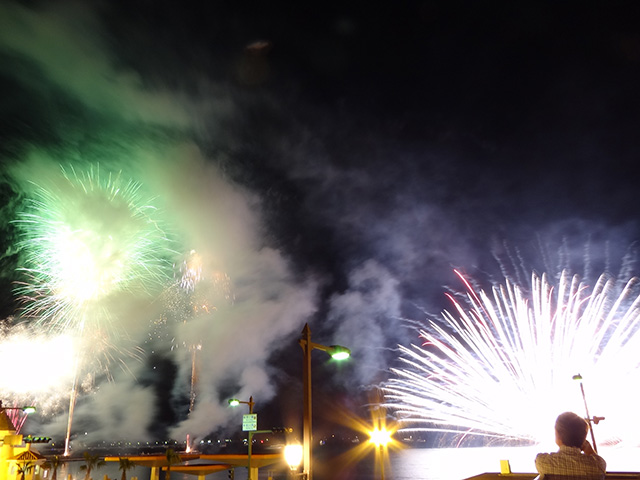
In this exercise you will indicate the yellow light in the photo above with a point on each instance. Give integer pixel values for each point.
(380, 437)
(293, 456)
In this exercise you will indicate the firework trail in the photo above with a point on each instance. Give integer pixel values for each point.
(502, 367)
(87, 239)
(196, 292)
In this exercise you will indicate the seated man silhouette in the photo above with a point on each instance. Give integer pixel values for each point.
(575, 459)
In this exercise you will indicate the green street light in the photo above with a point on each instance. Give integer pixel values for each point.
(337, 352)
(234, 402)
(27, 409)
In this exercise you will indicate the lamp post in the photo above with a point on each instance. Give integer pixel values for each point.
(234, 402)
(338, 353)
(595, 420)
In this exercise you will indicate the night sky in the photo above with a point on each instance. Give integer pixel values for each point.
(337, 160)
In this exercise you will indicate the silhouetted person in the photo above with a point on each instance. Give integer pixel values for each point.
(576, 457)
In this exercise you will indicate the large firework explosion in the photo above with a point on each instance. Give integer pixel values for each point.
(502, 366)
(90, 242)
(87, 237)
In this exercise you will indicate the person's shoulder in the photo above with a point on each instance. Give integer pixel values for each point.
(543, 458)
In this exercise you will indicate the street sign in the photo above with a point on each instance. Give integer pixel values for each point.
(250, 422)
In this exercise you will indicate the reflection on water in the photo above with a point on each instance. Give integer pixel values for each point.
(409, 464)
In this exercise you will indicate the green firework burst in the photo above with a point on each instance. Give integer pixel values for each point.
(88, 237)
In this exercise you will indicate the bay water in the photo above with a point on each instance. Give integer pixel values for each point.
(406, 464)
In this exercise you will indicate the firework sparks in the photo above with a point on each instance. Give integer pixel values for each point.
(503, 367)
(85, 239)
(191, 270)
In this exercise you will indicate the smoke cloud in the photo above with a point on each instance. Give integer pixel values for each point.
(101, 115)
(340, 190)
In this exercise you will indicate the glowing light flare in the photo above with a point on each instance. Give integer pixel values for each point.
(501, 367)
(293, 456)
(35, 364)
(338, 352)
(380, 437)
(365, 428)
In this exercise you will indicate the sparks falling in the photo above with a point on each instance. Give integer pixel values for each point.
(502, 367)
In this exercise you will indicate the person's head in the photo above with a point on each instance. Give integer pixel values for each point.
(571, 430)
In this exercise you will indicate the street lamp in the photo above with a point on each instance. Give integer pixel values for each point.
(26, 410)
(595, 420)
(338, 353)
(234, 402)
(293, 457)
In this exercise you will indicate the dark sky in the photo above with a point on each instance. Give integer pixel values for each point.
(337, 160)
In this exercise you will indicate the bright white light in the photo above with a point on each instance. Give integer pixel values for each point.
(380, 437)
(33, 364)
(293, 455)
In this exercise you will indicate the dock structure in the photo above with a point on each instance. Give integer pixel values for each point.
(191, 463)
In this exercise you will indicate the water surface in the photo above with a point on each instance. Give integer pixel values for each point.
(407, 464)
